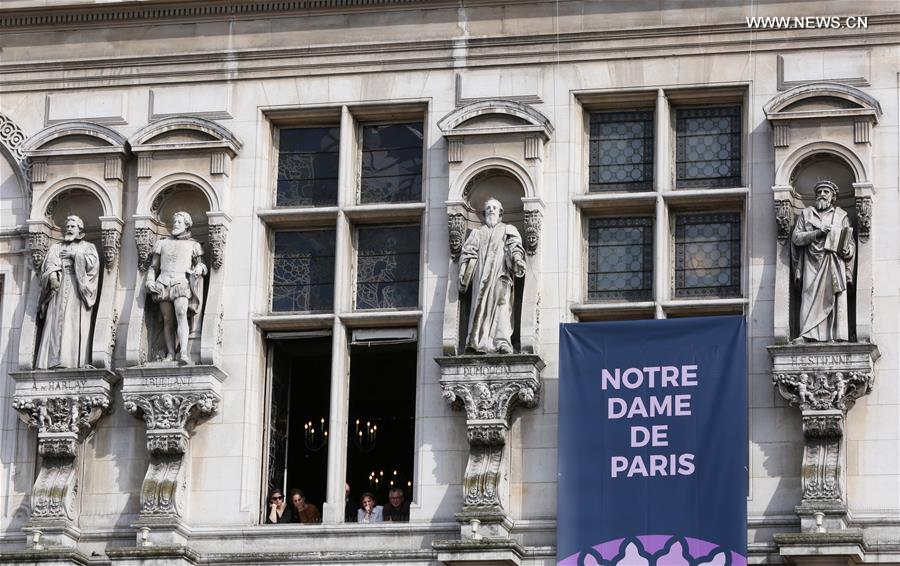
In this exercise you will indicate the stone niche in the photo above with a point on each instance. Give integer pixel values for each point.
(173, 378)
(823, 357)
(491, 327)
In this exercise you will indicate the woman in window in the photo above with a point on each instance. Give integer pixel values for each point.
(279, 510)
(303, 512)
(368, 511)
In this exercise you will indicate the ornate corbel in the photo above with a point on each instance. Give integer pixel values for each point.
(864, 217)
(532, 230)
(111, 240)
(456, 225)
(38, 244)
(218, 237)
(63, 406)
(824, 389)
(783, 219)
(144, 239)
(170, 418)
(488, 389)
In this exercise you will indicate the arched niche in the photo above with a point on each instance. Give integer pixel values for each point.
(823, 131)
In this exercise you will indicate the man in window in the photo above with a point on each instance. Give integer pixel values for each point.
(397, 508)
(822, 249)
(490, 258)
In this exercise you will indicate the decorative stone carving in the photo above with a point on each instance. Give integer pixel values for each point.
(783, 219)
(145, 240)
(532, 230)
(69, 279)
(171, 401)
(490, 258)
(63, 406)
(111, 240)
(824, 381)
(38, 243)
(456, 224)
(864, 217)
(218, 237)
(488, 388)
(175, 282)
(822, 250)
(113, 331)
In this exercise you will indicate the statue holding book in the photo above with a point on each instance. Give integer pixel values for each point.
(822, 253)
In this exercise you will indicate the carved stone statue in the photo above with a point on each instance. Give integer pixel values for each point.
(175, 281)
(491, 256)
(69, 280)
(821, 250)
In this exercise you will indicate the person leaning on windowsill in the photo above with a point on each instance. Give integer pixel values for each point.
(279, 510)
(397, 509)
(368, 511)
(303, 512)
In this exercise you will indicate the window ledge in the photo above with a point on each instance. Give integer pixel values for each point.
(706, 199)
(620, 203)
(387, 212)
(306, 217)
(293, 321)
(613, 310)
(703, 306)
(372, 319)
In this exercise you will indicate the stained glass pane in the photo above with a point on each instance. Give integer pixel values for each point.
(708, 147)
(391, 163)
(708, 255)
(308, 167)
(303, 278)
(621, 151)
(620, 258)
(387, 267)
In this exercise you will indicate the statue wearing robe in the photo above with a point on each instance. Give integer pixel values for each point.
(822, 274)
(491, 257)
(69, 280)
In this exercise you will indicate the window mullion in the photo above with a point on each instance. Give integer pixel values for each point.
(662, 180)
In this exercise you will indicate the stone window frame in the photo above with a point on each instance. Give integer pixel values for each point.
(345, 218)
(663, 201)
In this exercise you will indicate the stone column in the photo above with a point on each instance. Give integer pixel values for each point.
(824, 380)
(172, 401)
(489, 388)
(63, 405)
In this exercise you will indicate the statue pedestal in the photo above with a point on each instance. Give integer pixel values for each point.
(172, 400)
(488, 388)
(63, 405)
(823, 380)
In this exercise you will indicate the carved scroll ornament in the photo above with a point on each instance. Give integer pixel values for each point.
(824, 390)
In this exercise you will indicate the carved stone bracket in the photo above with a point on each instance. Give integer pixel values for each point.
(824, 380)
(864, 217)
(218, 237)
(38, 244)
(784, 218)
(533, 220)
(111, 242)
(488, 388)
(144, 239)
(63, 406)
(456, 224)
(171, 400)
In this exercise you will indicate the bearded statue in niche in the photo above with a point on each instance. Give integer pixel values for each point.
(822, 251)
(491, 257)
(175, 283)
(70, 277)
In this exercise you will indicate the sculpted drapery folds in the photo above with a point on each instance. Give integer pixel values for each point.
(822, 251)
(175, 282)
(491, 256)
(69, 282)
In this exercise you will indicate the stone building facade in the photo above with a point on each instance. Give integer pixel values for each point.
(333, 155)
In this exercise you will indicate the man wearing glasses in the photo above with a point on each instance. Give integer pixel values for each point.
(397, 508)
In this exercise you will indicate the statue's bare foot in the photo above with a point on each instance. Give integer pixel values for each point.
(504, 348)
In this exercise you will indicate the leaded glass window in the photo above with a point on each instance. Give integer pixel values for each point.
(391, 163)
(387, 267)
(708, 147)
(708, 255)
(303, 278)
(620, 258)
(308, 167)
(621, 151)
